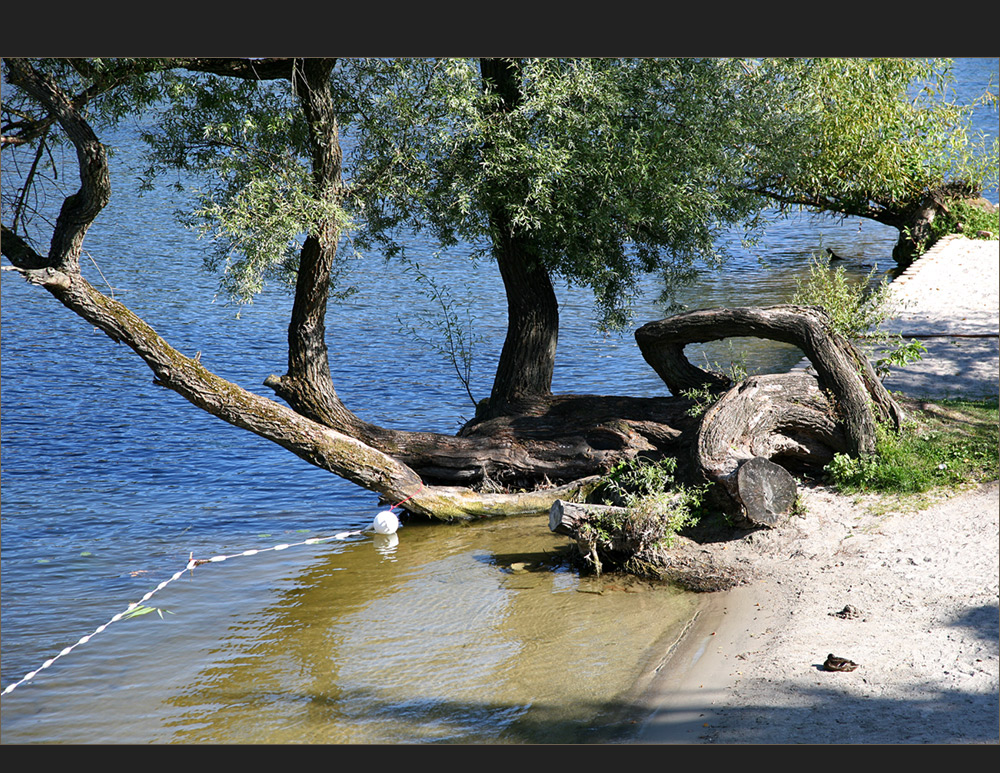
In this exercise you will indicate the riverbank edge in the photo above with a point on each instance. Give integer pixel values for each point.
(689, 691)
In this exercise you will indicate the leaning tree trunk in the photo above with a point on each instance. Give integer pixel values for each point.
(915, 221)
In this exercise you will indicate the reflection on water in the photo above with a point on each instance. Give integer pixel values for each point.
(460, 633)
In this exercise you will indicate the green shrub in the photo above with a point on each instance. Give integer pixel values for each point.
(949, 448)
(653, 509)
(965, 218)
(857, 309)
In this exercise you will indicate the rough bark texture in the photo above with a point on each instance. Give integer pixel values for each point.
(308, 386)
(915, 220)
(843, 370)
(527, 360)
(796, 420)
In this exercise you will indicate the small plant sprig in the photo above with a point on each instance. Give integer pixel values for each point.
(857, 311)
(702, 399)
(455, 339)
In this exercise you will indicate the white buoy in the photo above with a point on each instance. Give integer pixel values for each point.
(386, 522)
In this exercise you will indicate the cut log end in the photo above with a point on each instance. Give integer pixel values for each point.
(766, 490)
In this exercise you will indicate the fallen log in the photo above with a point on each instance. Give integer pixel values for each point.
(685, 563)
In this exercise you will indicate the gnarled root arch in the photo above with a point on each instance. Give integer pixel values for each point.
(791, 420)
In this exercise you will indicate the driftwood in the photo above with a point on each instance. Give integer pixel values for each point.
(842, 369)
(792, 421)
(751, 437)
(685, 563)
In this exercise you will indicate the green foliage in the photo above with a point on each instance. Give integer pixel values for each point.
(939, 448)
(702, 398)
(612, 168)
(869, 137)
(857, 309)
(653, 509)
(631, 480)
(966, 218)
(244, 147)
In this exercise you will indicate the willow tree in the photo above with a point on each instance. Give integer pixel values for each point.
(884, 139)
(595, 172)
(591, 172)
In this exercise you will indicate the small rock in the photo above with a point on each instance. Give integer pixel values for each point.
(847, 613)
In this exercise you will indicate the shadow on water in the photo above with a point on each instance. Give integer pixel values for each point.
(455, 633)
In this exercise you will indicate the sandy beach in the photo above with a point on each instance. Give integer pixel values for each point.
(910, 594)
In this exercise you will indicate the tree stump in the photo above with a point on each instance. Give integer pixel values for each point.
(767, 491)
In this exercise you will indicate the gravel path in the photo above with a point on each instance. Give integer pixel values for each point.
(949, 298)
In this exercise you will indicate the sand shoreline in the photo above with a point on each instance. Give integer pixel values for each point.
(926, 590)
(924, 584)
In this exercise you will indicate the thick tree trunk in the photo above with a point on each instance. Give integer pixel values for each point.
(322, 446)
(770, 423)
(308, 386)
(527, 360)
(842, 369)
(795, 419)
(915, 221)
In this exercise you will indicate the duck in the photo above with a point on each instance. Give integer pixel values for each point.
(833, 663)
(833, 255)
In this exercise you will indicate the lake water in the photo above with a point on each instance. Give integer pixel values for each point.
(455, 633)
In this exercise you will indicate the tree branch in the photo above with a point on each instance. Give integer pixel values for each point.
(80, 209)
(268, 68)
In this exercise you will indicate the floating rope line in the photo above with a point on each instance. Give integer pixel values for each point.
(409, 497)
(381, 524)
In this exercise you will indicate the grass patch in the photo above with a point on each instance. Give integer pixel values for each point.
(945, 444)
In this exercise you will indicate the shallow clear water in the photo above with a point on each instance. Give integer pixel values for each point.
(109, 483)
